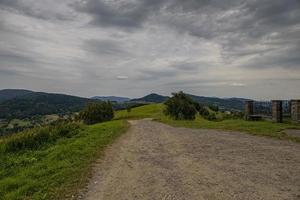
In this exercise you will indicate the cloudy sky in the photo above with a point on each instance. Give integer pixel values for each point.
(242, 48)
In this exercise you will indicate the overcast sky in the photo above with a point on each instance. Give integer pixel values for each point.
(134, 47)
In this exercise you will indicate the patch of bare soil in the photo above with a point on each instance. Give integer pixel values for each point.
(293, 132)
(157, 161)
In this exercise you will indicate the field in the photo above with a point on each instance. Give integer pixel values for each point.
(60, 168)
(55, 171)
(261, 128)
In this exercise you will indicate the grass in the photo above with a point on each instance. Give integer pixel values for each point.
(50, 118)
(55, 171)
(261, 128)
(148, 111)
(19, 123)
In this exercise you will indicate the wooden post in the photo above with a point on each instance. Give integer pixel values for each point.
(277, 111)
(295, 110)
(248, 109)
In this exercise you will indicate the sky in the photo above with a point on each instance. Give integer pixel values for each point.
(228, 48)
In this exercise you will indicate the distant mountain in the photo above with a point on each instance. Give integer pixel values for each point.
(26, 103)
(151, 98)
(222, 103)
(112, 98)
(7, 94)
(39, 103)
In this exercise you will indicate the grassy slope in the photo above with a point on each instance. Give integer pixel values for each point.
(55, 171)
(263, 128)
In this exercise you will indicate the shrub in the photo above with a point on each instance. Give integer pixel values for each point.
(97, 112)
(180, 107)
(203, 111)
(211, 117)
(34, 138)
(214, 108)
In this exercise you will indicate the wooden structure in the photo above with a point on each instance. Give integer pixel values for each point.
(248, 109)
(276, 110)
(295, 110)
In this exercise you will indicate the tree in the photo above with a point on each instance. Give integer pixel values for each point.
(203, 111)
(180, 107)
(214, 108)
(97, 112)
(128, 108)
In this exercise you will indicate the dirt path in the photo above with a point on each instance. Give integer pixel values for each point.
(155, 161)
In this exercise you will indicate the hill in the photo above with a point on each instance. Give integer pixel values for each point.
(151, 98)
(40, 103)
(112, 98)
(7, 94)
(222, 103)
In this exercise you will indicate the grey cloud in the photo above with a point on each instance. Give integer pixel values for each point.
(129, 14)
(9, 72)
(8, 57)
(190, 66)
(283, 58)
(156, 74)
(218, 44)
(47, 10)
(122, 77)
(171, 70)
(105, 47)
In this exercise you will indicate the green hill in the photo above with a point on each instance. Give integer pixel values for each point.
(222, 103)
(112, 98)
(151, 98)
(39, 103)
(7, 94)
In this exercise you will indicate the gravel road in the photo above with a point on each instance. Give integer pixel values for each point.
(156, 161)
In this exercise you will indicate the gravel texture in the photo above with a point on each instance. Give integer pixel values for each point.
(156, 161)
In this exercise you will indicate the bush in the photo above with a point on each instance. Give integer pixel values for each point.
(214, 108)
(180, 107)
(34, 138)
(97, 112)
(211, 117)
(203, 111)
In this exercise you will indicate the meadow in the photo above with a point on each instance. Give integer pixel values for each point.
(55, 162)
(260, 128)
(55, 169)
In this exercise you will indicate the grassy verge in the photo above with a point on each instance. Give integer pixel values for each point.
(261, 128)
(55, 171)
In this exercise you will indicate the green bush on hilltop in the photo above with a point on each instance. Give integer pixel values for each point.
(36, 137)
(181, 107)
(203, 111)
(214, 107)
(97, 112)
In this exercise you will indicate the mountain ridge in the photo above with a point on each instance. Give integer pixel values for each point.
(111, 98)
(41, 103)
(7, 94)
(151, 98)
(18, 103)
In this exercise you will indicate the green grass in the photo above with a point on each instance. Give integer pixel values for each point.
(261, 128)
(50, 118)
(149, 111)
(56, 171)
(19, 123)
